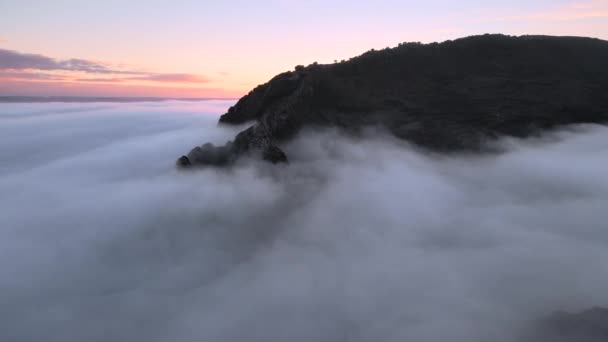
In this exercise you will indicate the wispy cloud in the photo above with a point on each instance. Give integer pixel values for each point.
(14, 60)
(160, 78)
(25, 66)
(100, 79)
(15, 87)
(172, 78)
(31, 76)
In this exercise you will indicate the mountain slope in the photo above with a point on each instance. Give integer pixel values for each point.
(443, 96)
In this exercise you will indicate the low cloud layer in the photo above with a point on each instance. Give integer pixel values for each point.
(354, 240)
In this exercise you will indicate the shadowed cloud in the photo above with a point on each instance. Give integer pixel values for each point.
(14, 60)
(36, 69)
(31, 76)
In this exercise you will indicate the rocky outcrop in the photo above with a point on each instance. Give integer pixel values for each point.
(447, 96)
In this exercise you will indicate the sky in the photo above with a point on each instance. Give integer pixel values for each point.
(222, 49)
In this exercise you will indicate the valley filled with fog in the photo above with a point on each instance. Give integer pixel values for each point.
(356, 239)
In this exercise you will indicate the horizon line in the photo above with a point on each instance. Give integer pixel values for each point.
(42, 99)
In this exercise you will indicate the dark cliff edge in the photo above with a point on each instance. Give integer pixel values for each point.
(449, 96)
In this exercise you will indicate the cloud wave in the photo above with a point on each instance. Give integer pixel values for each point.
(102, 238)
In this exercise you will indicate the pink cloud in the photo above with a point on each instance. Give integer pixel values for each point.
(25, 62)
(159, 78)
(24, 75)
(58, 88)
(101, 80)
(39, 74)
(172, 78)
(15, 60)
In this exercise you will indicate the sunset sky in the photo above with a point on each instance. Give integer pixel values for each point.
(205, 48)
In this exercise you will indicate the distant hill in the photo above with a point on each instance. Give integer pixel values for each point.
(448, 96)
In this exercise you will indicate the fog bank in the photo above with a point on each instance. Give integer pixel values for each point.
(102, 239)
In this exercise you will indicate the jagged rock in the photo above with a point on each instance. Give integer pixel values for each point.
(209, 155)
(274, 155)
(183, 162)
(446, 97)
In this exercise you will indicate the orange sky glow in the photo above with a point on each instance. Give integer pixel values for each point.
(222, 50)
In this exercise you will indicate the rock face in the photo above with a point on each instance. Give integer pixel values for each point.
(443, 96)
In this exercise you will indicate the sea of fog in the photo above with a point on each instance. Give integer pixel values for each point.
(102, 239)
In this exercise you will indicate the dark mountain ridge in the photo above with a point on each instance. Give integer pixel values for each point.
(449, 96)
